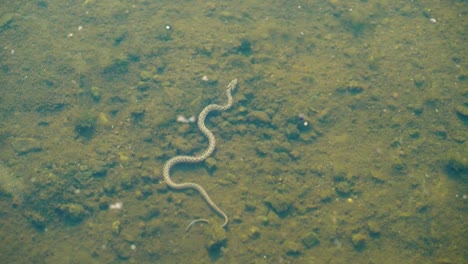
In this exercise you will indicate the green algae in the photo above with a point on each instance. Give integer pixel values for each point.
(375, 175)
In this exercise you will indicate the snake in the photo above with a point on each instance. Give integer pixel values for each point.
(203, 156)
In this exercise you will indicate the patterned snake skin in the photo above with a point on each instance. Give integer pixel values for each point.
(194, 159)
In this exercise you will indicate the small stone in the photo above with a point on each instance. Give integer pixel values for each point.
(259, 116)
(263, 149)
(139, 195)
(104, 202)
(122, 250)
(414, 133)
(127, 181)
(295, 154)
(142, 86)
(128, 236)
(147, 190)
(457, 163)
(254, 232)
(157, 79)
(374, 228)
(359, 240)
(73, 212)
(103, 120)
(250, 207)
(279, 203)
(116, 227)
(310, 240)
(6, 19)
(145, 75)
(210, 163)
(96, 93)
(292, 248)
(343, 188)
(226, 15)
(137, 115)
(24, 146)
(462, 111)
(37, 220)
(216, 240)
(264, 220)
(242, 109)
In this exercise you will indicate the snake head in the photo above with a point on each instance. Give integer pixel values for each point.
(232, 85)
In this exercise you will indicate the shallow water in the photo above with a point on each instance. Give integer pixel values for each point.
(346, 142)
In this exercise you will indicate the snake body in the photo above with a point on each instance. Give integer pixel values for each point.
(194, 159)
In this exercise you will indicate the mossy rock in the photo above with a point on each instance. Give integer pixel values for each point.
(37, 220)
(216, 241)
(23, 146)
(145, 75)
(96, 93)
(259, 117)
(310, 240)
(280, 204)
(462, 111)
(457, 164)
(343, 189)
(6, 19)
(122, 250)
(359, 240)
(374, 228)
(254, 232)
(293, 248)
(86, 125)
(210, 164)
(127, 181)
(73, 212)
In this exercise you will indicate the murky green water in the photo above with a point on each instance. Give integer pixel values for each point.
(373, 171)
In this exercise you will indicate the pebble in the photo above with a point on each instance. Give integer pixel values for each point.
(24, 146)
(258, 116)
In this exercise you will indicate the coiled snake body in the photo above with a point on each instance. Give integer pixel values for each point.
(194, 159)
